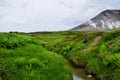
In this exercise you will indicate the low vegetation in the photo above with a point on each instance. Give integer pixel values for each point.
(24, 58)
(40, 55)
(97, 52)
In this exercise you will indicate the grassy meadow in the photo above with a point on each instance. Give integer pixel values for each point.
(41, 55)
(24, 58)
(97, 52)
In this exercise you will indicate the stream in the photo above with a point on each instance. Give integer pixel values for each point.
(79, 73)
(76, 78)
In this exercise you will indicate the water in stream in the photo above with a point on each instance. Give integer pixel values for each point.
(76, 77)
(79, 73)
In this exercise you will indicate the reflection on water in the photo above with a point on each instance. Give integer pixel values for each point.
(76, 78)
(79, 73)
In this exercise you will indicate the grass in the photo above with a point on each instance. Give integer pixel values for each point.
(40, 55)
(24, 58)
(101, 59)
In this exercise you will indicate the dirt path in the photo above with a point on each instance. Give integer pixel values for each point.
(94, 43)
(79, 74)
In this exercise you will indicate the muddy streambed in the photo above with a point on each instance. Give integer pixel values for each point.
(79, 73)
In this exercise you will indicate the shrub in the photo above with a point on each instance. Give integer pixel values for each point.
(22, 58)
(12, 40)
(107, 36)
(115, 48)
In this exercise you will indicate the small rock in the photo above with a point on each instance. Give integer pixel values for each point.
(89, 76)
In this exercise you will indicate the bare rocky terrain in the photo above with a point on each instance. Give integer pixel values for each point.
(108, 19)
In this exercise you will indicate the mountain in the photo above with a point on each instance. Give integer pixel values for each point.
(107, 19)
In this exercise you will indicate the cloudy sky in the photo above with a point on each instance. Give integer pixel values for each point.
(49, 15)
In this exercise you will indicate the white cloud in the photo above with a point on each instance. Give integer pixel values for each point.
(48, 15)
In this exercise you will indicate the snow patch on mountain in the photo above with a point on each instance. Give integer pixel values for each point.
(103, 24)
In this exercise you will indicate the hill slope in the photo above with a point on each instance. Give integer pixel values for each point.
(107, 19)
(24, 58)
(97, 52)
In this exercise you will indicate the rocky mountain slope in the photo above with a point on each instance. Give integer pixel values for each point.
(107, 19)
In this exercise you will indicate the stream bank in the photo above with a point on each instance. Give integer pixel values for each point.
(79, 73)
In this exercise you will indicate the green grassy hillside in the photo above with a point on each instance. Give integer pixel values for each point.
(24, 58)
(40, 55)
(97, 52)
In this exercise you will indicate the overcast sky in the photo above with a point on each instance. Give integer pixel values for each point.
(49, 15)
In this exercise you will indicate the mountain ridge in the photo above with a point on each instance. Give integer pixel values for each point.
(108, 19)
